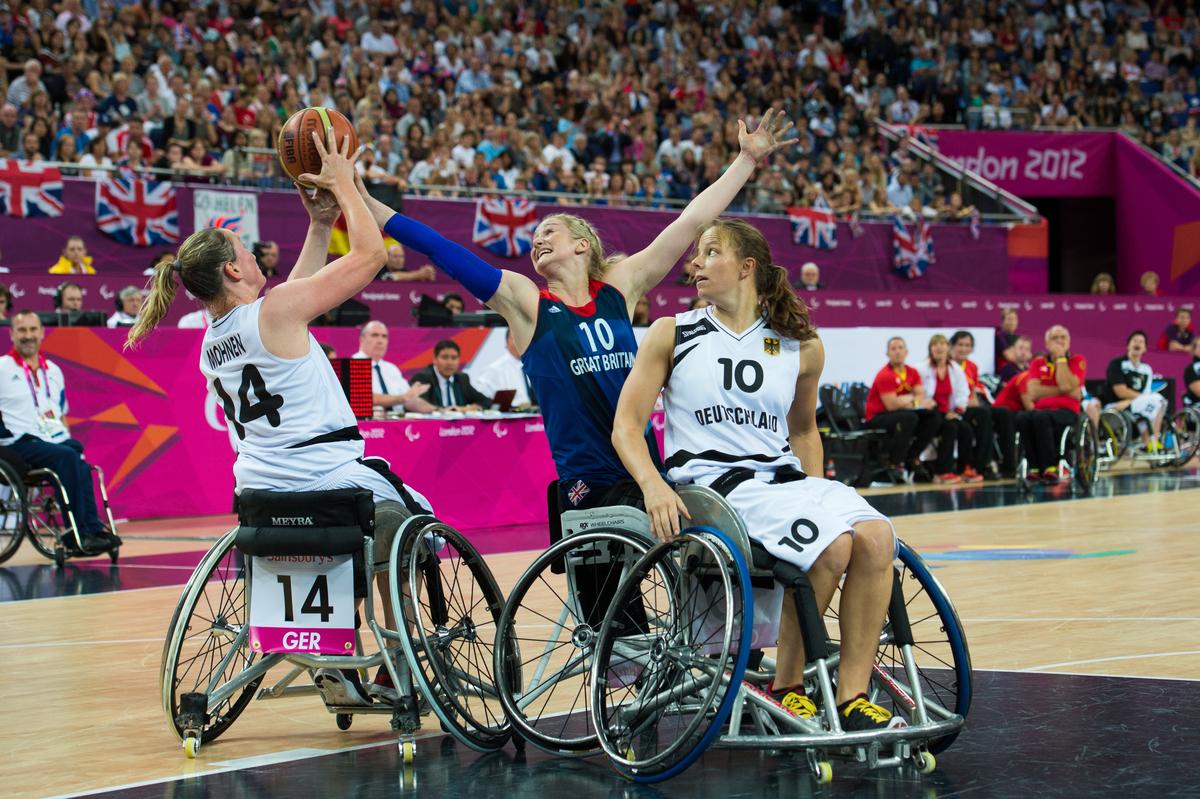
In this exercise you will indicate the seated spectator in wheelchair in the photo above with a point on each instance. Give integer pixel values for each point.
(748, 434)
(292, 424)
(33, 408)
(1128, 386)
(1056, 388)
(896, 402)
(1191, 378)
(947, 383)
(989, 424)
(1178, 336)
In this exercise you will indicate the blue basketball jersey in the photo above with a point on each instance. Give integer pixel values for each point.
(577, 362)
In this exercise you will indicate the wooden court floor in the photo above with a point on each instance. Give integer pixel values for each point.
(1091, 586)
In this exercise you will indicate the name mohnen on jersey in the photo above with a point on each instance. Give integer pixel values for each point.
(743, 416)
(225, 350)
(602, 363)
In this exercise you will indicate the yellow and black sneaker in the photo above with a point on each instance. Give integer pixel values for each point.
(861, 714)
(790, 699)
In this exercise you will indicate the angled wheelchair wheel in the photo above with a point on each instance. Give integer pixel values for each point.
(1114, 435)
(1022, 467)
(451, 605)
(207, 644)
(941, 656)
(548, 631)
(1084, 456)
(46, 520)
(12, 511)
(662, 691)
(1185, 427)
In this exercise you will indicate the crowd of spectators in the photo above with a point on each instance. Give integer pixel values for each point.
(631, 103)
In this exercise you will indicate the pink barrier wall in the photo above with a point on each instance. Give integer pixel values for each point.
(1157, 212)
(145, 418)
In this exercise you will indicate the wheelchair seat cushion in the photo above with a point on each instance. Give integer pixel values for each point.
(304, 522)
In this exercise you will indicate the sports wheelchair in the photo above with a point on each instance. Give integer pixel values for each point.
(1118, 431)
(652, 652)
(1078, 457)
(215, 658)
(34, 504)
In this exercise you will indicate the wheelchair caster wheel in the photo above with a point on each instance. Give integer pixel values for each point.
(60, 557)
(191, 745)
(408, 751)
(113, 554)
(926, 763)
(344, 720)
(823, 772)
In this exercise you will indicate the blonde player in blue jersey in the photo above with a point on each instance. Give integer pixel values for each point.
(739, 381)
(291, 422)
(574, 337)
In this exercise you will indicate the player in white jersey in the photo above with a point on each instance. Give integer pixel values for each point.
(291, 424)
(739, 381)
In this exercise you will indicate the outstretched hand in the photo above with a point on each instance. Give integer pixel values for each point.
(322, 206)
(767, 137)
(337, 163)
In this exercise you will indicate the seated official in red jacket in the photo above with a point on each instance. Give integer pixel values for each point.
(1055, 387)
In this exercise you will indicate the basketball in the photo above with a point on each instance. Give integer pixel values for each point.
(297, 153)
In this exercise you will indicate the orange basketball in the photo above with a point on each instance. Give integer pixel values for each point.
(297, 153)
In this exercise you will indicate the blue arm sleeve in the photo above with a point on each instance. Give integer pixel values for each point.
(477, 276)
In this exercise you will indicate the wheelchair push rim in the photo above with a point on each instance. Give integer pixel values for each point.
(647, 720)
(451, 626)
(12, 512)
(544, 663)
(209, 621)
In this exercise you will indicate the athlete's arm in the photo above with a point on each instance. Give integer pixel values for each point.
(323, 211)
(288, 309)
(895, 402)
(650, 371)
(512, 295)
(642, 271)
(803, 434)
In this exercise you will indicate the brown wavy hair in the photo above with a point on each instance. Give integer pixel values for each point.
(784, 311)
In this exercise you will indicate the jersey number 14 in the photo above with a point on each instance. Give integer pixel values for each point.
(265, 404)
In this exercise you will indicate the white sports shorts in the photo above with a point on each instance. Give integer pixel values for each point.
(797, 521)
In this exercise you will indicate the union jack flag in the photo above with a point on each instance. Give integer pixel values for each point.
(578, 492)
(505, 225)
(814, 227)
(137, 212)
(29, 189)
(911, 255)
(231, 223)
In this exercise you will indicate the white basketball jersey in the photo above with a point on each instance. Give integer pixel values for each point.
(728, 398)
(289, 419)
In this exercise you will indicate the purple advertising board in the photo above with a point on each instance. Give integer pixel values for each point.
(1035, 164)
(964, 263)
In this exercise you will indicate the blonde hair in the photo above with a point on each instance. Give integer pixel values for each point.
(784, 311)
(580, 228)
(199, 263)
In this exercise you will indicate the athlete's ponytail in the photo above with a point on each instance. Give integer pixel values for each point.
(784, 311)
(198, 264)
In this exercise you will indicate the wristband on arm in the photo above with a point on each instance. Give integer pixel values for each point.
(476, 275)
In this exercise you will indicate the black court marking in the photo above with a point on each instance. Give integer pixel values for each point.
(1028, 735)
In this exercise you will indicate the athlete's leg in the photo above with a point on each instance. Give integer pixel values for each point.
(824, 576)
(865, 595)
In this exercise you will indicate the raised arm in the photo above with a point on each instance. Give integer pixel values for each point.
(803, 435)
(512, 295)
(323, 211)
(650, 371)
(288, 309)
(642, 271)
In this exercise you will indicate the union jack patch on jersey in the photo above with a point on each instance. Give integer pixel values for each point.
(771, 346)
(578, 492)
